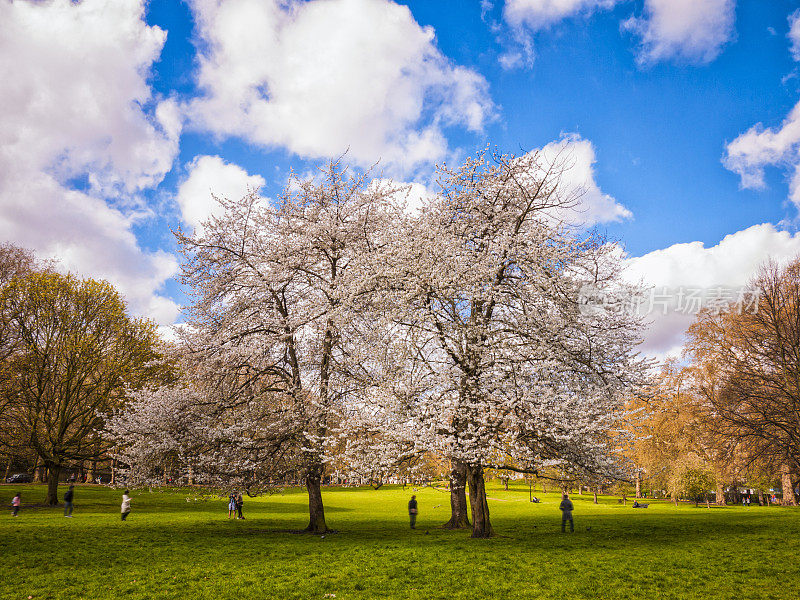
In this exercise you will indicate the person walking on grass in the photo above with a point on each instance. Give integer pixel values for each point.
(239, 505)
(15, 503)
(412, 511)
(68, 495)
(126, 505)
(566, 508)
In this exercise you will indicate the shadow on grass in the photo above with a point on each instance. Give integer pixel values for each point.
(635, 531)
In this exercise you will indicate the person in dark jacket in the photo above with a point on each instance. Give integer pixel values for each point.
(239, 504)
(68, 495)
(412, 511)
(566, 514)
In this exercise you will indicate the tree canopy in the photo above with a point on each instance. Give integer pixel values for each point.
(75, 353)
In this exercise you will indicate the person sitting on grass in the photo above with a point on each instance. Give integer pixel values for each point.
(566, 508)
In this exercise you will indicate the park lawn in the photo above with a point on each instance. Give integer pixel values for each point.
(171, 548)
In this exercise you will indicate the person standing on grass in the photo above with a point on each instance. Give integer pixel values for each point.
(15, 503)
(239, 505)
(126, 505)
(566, 508)
(231, 504)
(68, 495)
(412, 511)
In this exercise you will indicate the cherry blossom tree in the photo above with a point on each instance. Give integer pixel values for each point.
(277, 290)
(157, 431)
(208, 428)
(489, 277)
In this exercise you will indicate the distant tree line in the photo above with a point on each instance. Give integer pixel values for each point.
(728, 412)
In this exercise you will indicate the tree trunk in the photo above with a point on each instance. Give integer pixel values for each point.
(316, 510)
(760, 497)
(580, 490)
(8, 469)
(93, 467)
(481, 527)
(595, 496)
(37, 473)
(459, 518)
(786, 483)
(638, 484)
(53, 473)
(720, 500)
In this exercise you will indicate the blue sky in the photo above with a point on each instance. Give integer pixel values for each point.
(117, 119)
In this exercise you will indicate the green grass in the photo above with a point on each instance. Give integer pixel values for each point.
(173, 549)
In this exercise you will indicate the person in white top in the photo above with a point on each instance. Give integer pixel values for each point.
(126, 505)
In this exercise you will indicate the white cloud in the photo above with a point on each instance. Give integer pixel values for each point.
(794, 34)
(688, 30)
(527, 17)
(418, 195)
(758, 148)
(410, 195)
(75, 105)
(540, 14)
(732, 263)
(87, 237)
(323, 76)
(211, 175)
(578, 158)
(514, 59)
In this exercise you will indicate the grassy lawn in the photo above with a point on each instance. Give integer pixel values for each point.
(171, 548)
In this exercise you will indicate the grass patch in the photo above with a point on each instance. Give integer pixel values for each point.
(171, 548)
